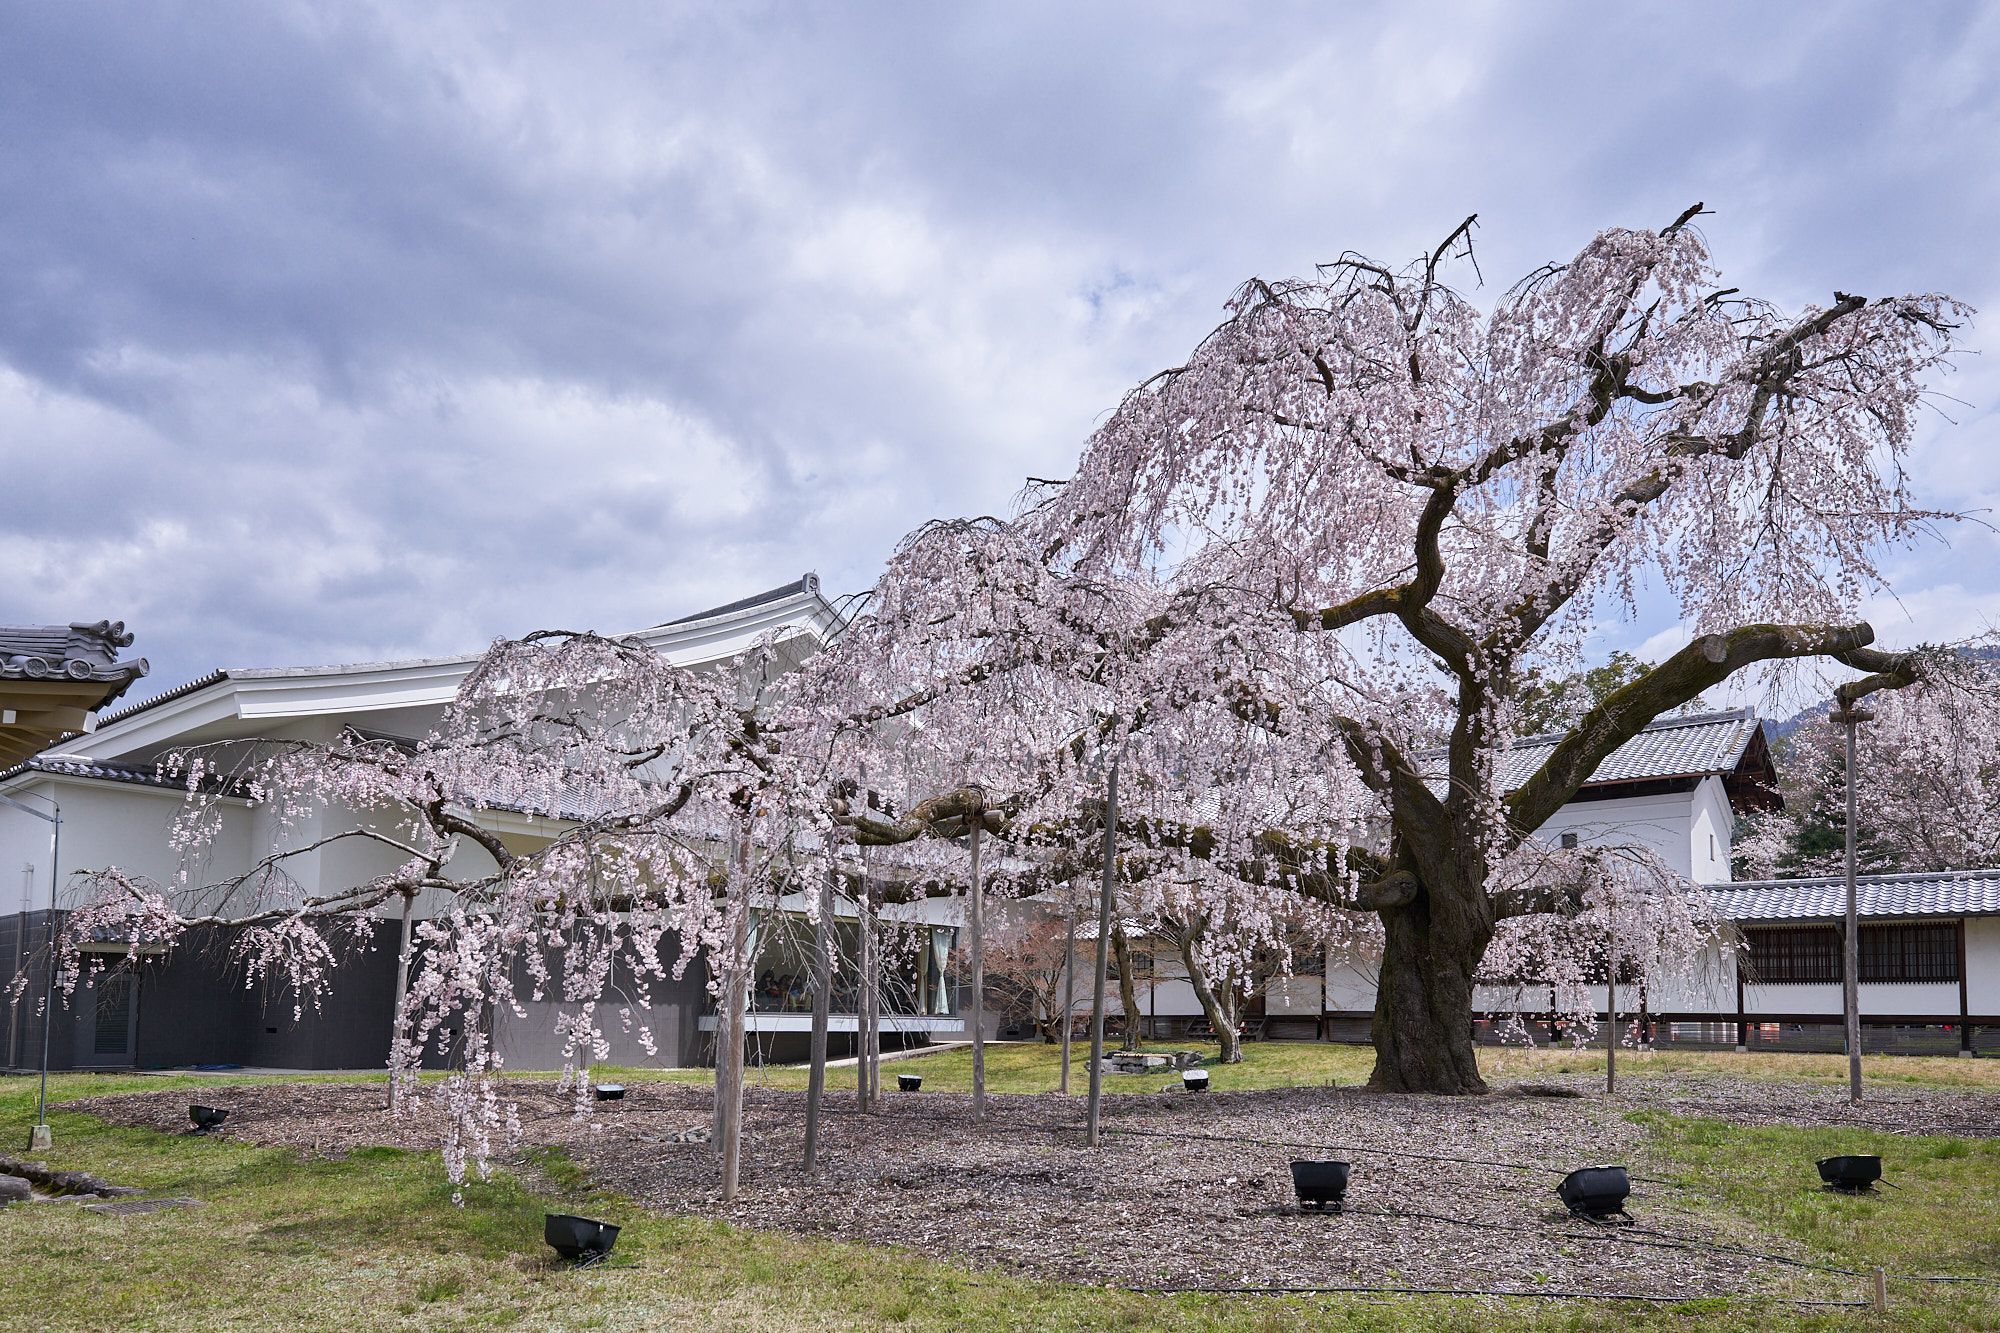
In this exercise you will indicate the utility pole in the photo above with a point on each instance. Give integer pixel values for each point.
(1104, 907)
(1851, 717)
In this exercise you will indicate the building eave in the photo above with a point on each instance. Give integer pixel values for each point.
(253, 695)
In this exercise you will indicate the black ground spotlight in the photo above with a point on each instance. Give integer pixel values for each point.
(909, 1082)
(207, 1118)
(1320, 1185)
(610, 1092)
(1596, 1191)
(1855, 1173)
(1194, 1080)
(581, 1240)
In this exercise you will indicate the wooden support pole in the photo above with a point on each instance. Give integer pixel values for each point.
(1104, 907)
(731, 1055)
(865, 1086)
(1850, 989)
(1611, 1009)
(397, 1019)
(1611, 1037)
(1069, 991)
(822, 987)
(976, 892)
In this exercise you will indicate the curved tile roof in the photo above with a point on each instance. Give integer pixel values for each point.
(83, 652)
(1697, 745)
(1824, 898)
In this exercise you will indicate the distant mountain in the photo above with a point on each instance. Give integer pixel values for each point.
(1777, 730)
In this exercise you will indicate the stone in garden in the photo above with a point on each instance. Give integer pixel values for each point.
(13, 1189)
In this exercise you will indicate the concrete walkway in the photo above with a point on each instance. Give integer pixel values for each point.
(909, 1054)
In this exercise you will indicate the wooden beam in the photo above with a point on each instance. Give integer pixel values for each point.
(54, 721)
(88, 693)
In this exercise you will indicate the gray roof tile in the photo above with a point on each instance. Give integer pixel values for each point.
(1670, 747)
(78, 652)
(1928, 893)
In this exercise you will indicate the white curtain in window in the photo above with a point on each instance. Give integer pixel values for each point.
(940, 956)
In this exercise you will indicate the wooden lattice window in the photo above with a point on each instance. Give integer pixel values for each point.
(1910, 951)
(1891, 952)
(1793, 953)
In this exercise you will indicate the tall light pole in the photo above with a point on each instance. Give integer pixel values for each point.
(39, 1139)
(1851, 717)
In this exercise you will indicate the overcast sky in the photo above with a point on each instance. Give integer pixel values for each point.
(341, 333)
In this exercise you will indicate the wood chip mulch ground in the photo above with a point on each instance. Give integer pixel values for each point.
(1187, 1190)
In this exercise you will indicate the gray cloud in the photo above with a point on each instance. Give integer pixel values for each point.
(344, 335)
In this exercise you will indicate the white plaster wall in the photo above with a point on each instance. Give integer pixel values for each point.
(1293, 996)
(1168, 999)
(1933, 998)
(1982, 964)
(1662, 823)
(1351, 982)
(1713, 989)
(1709, 833)
(103, 825)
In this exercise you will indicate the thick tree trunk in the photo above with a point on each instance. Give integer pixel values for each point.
(1128, 994)
(1211, 1003)
(1423, 1002)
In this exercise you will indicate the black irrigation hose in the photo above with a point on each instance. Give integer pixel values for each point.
(1493, 1291)
(1062, 1128)
(1629, 1235)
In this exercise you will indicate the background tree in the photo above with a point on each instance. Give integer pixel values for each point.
(1927, 770)
(1025, 973)
(1548, 701)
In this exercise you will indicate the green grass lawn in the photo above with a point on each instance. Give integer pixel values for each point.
(374, 1241)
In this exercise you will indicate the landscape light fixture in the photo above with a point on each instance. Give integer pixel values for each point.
(1320, 1186)
(581, 1240)
(1596, 1191)
(610, 1092)
(207, 1118)
(1854, 1173)
(1194, 1080)
(909, 1082)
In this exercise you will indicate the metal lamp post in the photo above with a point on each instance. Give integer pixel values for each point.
(39, 1138)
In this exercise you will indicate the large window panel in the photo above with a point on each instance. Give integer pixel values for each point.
(1891, 952)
